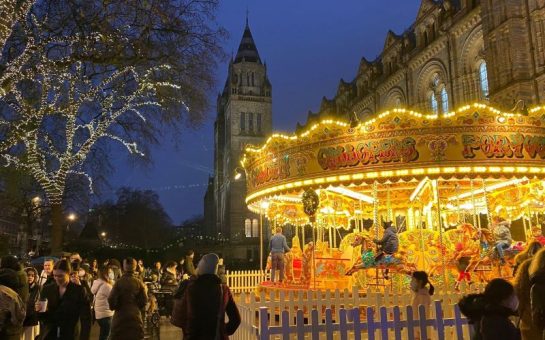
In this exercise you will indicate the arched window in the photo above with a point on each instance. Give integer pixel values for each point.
(433, 103)
(242, 121)
(258, 122)
(255, 228)
(444, 100)
(397, 102)
(248, 228)
(252, 79)
(483, 79)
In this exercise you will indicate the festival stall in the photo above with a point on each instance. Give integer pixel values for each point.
(441, 180)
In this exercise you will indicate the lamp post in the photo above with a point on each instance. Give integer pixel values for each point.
(264, 206)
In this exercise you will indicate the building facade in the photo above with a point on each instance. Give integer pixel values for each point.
(244, 116)
(455, 53)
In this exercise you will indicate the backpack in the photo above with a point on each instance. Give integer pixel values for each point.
(179, 306)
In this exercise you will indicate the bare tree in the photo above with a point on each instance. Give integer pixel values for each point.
(66, 93)
(11, 12)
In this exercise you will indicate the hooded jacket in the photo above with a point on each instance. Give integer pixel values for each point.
(203, 296)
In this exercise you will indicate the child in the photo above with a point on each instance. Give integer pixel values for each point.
(422, 295)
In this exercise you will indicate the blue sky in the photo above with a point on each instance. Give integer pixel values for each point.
(309, 45)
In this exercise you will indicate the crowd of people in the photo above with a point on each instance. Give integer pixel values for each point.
(61, 299)
(511, 311)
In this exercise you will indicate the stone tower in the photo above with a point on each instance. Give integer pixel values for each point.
(244, 117)
(513, 32)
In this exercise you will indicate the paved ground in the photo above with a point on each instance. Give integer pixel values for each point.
(168, 332)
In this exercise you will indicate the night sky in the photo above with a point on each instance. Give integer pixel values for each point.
(309, 45)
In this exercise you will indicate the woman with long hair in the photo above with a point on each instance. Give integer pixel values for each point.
(522, 287)
(31, 324)
(531, 249)
(537, 290)
(501, 302)
(101, 289)
(64, 308)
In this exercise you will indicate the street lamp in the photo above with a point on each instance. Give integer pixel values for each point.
(264, 206)
(238, 173)
(72, 217)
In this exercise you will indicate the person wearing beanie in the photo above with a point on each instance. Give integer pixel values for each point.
(205, 299)
(127, 299)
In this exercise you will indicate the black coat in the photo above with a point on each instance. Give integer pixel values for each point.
(69, 314)
(203, 296)
(537, 301)
(495, 324)
(31, 318)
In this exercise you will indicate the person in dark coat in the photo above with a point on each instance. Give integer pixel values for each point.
(189, 267)
(31, 327)
(537, 291)
(128, 299)
(68, 310)
(169, 279)
(206, 298)
(12, 314)
(12, 271)
(389, 244)
(501, 303)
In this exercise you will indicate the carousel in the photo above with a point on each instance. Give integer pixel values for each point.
(442, 184)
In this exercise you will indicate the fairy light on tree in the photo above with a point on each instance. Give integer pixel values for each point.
(11, 12)
(53, 116)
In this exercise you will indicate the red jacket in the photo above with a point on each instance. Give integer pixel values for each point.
(202, 307)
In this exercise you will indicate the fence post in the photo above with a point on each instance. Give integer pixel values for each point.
(343, 328)
(263, 323)
(458, 321)
(439, 323)
(356, 321)
(370, 324)
(410, 323)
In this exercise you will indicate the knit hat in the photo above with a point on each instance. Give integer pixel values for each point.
(208, 264)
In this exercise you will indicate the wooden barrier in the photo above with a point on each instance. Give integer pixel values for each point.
(318, 314)
(245, 280)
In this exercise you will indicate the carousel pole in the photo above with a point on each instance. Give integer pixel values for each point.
(474, 206)
(389, 205)
(485, 193)
(440, 222)
(375, 216)
(459, 211)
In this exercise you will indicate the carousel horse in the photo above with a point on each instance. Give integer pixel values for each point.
(367, 260)
(306, 273)
(477, 250)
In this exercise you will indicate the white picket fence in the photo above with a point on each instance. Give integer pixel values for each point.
(245, 280)
(342, 314)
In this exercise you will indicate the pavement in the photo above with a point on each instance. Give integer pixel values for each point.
(168, 331)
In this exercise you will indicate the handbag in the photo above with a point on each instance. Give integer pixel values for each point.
(179, 305)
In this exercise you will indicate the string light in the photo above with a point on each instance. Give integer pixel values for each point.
(88, 109)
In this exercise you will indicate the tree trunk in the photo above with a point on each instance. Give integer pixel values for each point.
(57, 229)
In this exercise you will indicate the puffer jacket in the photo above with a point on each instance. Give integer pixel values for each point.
(389, 241)
(101, 290)
(502, 233)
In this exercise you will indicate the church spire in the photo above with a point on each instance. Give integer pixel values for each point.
(247, 51)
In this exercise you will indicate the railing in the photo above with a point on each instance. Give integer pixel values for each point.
(391, 323)
(318, 313)
(245, 280)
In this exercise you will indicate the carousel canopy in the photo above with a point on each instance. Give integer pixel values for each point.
(404, 151)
